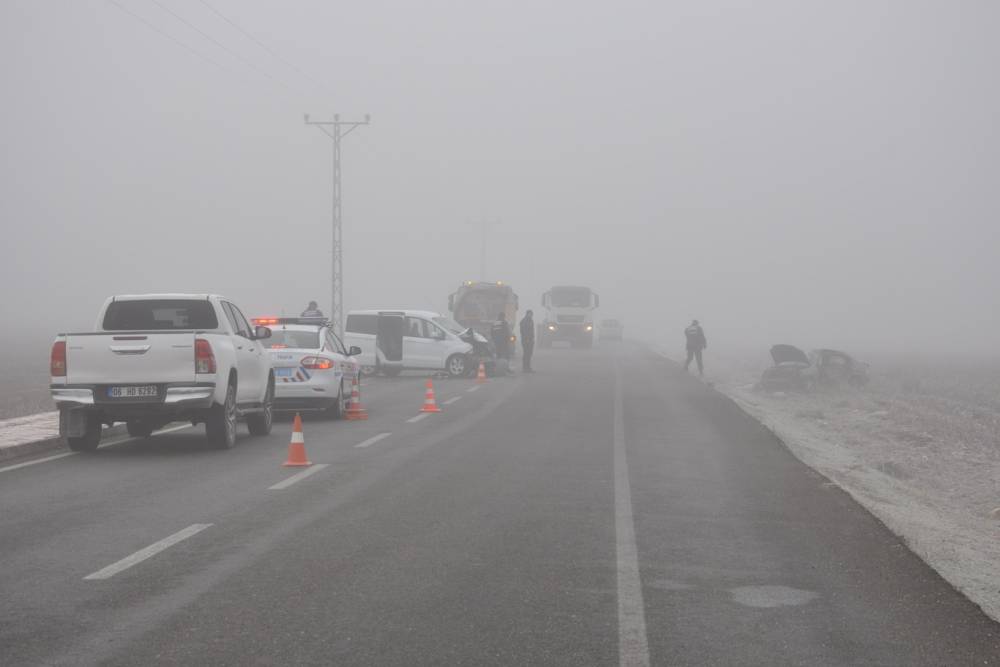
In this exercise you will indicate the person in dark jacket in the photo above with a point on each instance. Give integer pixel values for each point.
(501, 337)
(527, 341)
(696, 342)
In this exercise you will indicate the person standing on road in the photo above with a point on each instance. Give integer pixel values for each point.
(527, 341)
(312, 311)
(501, 337)
(696, 342)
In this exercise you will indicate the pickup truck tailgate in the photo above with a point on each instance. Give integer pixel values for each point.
(130, 357)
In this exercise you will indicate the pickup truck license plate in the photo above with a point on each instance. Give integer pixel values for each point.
(140, 391)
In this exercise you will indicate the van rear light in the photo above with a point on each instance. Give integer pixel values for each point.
(204, 358)
(316, 363)
(57, 362)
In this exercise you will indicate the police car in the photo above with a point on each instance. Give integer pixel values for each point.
(312, 368)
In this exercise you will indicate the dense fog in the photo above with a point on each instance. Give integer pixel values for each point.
(819, 173)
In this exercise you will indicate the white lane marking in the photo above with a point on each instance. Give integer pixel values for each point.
(474, 388)
(148, 552)
(106, 444)
(311, 470)
(633, 648)
(37, 461)
(453, 399)
(414, 420)
(372, 440)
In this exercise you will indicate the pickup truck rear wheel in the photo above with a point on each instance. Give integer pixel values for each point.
(220, 425)
(91, 438)
(259, 423)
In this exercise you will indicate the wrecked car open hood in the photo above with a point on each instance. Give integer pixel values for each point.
(784, 354)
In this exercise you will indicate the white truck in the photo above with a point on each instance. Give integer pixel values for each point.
(158, 358)
(569, 316)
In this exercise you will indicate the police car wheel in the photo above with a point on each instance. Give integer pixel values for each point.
(336, 410)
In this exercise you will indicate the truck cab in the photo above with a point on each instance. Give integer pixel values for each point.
(569, 316)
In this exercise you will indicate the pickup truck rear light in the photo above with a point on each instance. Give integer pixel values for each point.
(57, 363)
(204, 358)
(316, 363)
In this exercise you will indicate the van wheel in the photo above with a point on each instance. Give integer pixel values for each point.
(89, 441)
(220, 425)
(391, 371)
(259, 423)
(456, 365)
(138, 429)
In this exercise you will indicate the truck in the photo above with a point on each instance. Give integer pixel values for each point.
(154, 359)
(477, 304)
(568, 316)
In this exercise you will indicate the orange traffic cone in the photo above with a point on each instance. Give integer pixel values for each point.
(430, 404)
(297, 447)
(481, 375)
(356, 411)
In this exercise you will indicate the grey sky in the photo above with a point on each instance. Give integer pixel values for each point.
(823, 173)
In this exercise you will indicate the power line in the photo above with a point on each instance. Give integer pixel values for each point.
(221, 45)
(167, 35)
(262, 45)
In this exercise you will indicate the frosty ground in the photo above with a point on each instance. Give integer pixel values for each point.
(919, 447)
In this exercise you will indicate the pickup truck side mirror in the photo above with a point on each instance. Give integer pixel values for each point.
(260, 333)
(354, 351)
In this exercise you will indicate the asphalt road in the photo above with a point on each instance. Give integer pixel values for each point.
(607, 509)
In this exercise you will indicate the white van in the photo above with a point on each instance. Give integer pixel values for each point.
(392, 341)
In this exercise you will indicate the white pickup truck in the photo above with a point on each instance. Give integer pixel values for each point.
(158, 358)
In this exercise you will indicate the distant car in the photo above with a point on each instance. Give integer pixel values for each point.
(312, 368)
(610, 330)
(392, 341)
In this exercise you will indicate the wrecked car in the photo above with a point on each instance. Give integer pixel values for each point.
(833, 367)
(787, 373)
(793, 370)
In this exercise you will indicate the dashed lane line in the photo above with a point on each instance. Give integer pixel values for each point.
(414, 420)
(311, 470)
(473, 388)
(453, 399)
(372, 440)
(148, 552)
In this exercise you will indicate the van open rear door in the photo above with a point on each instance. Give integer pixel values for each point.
(389, 339)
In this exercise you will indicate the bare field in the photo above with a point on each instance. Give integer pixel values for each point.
(24, 380)
(919, 447)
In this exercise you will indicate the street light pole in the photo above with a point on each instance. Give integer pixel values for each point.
(337, 129)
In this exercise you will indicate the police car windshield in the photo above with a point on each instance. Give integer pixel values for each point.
(449, 324)
(303, 340)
